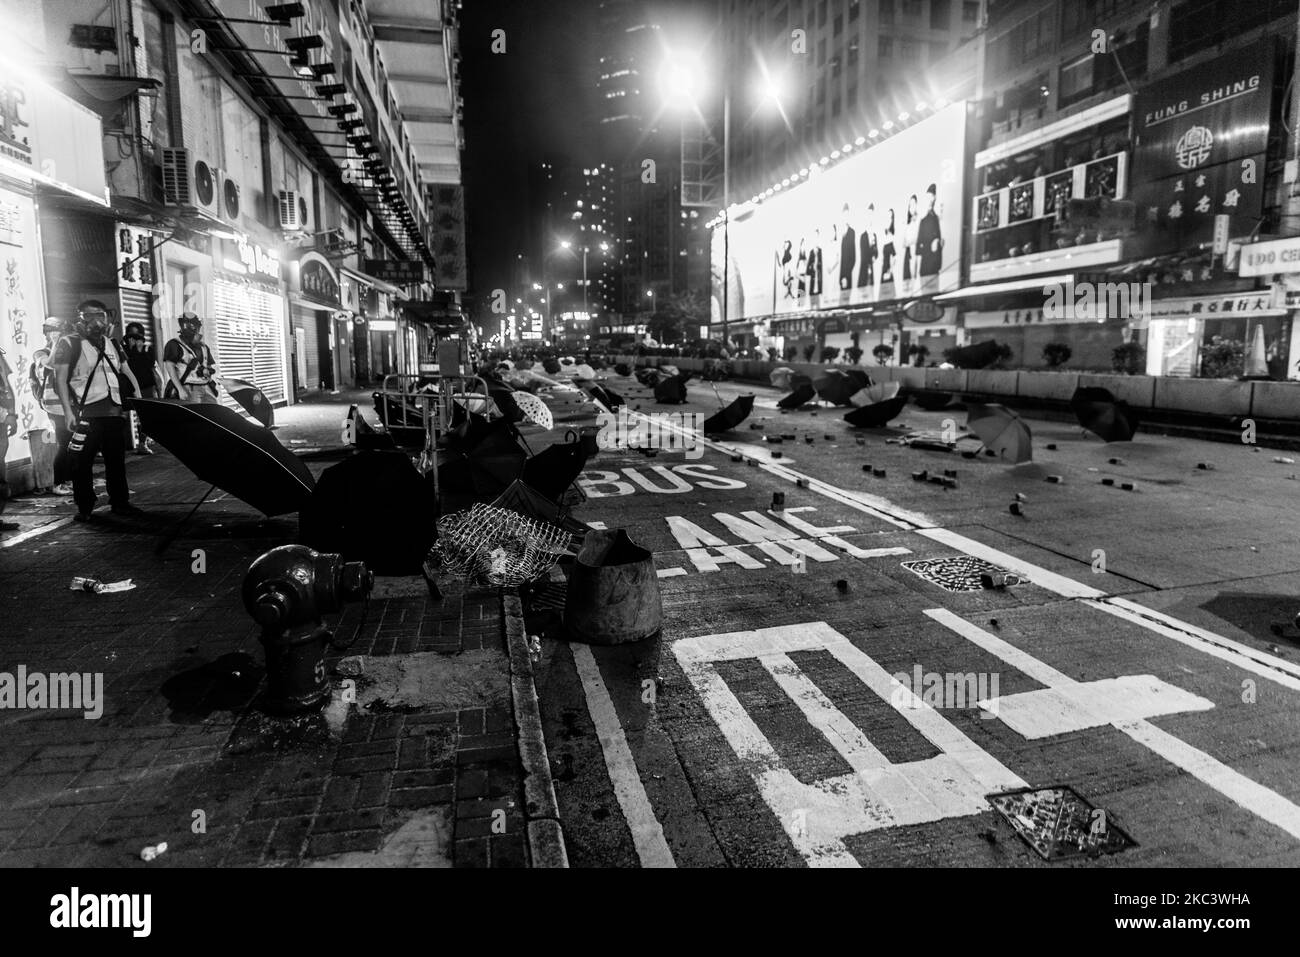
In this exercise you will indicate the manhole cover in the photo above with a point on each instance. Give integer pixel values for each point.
(960, 573)
(1058, 824)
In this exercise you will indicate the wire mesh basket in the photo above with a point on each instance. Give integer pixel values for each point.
(497, 546)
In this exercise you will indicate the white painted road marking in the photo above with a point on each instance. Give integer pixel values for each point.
(1067, 705)
(877, 793)
(33, 533)
(647, 833)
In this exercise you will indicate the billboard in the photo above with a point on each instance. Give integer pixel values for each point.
(883, 225)
(1202, 136)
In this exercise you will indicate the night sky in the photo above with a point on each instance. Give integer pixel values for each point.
(532, 100)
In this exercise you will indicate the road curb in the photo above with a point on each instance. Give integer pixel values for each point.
(541, 811)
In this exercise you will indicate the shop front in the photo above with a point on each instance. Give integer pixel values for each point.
(247, 317)
(321, 338)
(51, 158)
(1220, 337)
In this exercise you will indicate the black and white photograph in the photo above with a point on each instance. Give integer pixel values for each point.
(579, 435)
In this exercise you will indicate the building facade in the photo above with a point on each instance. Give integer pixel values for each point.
(267, 166)
(1113, 192)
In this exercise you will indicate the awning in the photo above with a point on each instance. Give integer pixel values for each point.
(103, 94)
(1014, 285)
(385, 287)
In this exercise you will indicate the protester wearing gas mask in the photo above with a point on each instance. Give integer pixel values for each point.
(139, 356)
(89, 367)
(188, 363)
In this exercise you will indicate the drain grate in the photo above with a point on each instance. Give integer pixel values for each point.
(960, 573)
(1058, 824)
(547, 596)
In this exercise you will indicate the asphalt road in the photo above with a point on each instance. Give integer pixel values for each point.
(1132, 659)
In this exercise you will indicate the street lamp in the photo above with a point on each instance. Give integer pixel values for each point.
(681, 80)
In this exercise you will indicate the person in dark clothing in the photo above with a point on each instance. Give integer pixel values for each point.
(848, 252)
(929, 239)
(8, 427)
(869, 249)
(140, 358)
(87, 367)
(191, 371)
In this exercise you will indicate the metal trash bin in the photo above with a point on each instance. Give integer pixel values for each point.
(613, 593)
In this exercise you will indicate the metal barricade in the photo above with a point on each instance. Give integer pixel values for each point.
(417, 410)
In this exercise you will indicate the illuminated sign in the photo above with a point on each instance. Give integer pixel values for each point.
(383, 325)
(394, 271)
(316, 280)
(882, 225)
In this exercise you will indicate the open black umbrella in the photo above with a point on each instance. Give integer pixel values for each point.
(648, 377)
(931, 400)
(552, 470)
(623, 369)
(979, 356)
(224, 449)
(877, 415)
(551, 365)
(487, 468)
(802, 395)
(836, 386)
(1102, 414)
(403, 420)
(252, 399)
(727, 419)
(671, 391)
(606, 397)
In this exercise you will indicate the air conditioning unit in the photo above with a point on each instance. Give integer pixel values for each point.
(295, 211)
(227, 197)
(188, 182)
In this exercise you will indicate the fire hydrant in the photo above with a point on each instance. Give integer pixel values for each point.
(287, 590)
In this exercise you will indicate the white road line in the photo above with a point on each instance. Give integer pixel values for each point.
(1242, 656)
(39, 530)
(1067, 705)
(647, 833)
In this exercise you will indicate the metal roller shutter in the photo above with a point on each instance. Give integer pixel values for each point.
(305, 319)
(249, 343)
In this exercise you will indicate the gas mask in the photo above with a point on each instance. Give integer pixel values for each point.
(94, 325)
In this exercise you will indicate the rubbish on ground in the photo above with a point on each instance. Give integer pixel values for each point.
(1280, 460)
(1204, 466)
(1021, 497)
(993, 622)
(151, 852)
(1108, 481)
(862, 441)
(737, 457)
(801, 482)
(497, 546)
(351, 666)
(1051, 446)
(996, 580)
(866, 468)
(1128, 486)
(778, 500)
(534, 648)
(1054, 479)
(789, 437)
(920, 476)
(1016, 509)
(1115, 461)
(950, 473)
(808, 439)
(97, 587)
(776, 455)
(878, 473)
(756, 426)
(842, 584)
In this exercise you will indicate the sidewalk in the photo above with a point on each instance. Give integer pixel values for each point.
(423, 769)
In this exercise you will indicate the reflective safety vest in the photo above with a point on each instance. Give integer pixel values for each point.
(104, 383)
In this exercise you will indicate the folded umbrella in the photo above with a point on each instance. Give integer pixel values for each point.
(252, 399)
(878, 414)
(1001, 431)
(535, 409)
(224, 449)
(1102, 414)
(802, 395)
(727, 419)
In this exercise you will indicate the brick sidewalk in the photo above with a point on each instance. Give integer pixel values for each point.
(180, 753)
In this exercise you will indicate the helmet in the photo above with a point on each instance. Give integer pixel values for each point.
(54, 324)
